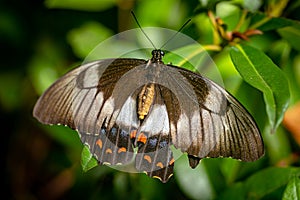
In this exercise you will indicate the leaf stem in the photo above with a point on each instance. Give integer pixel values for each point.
(259, 23)
(241, 21)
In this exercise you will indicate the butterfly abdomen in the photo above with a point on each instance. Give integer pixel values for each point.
(145, 100)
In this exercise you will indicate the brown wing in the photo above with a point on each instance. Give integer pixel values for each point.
(83, 100)
(217, 125)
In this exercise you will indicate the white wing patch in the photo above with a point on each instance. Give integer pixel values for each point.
(157, 121)
(128, 114)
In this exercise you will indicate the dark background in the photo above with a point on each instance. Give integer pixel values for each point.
(43, 162)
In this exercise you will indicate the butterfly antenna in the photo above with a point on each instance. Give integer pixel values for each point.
(171, 38)
(142, 29)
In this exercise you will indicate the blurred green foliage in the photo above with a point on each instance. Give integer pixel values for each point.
(41, 40)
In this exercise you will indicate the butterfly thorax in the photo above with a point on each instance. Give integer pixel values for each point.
(146, 95)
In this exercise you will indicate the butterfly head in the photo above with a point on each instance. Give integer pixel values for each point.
(157, 56)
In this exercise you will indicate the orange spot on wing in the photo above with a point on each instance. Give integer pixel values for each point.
(133, 134)
(159, 164)
(148, 158)
(142, 138)
(171, 161)
(108, 151)
(99, 143)
(122, 149)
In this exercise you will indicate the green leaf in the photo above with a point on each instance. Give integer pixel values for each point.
(236, 192)
(292, 190)
(84, 39)
(167, 8)
(258, 70)
(87, 5)
(265, 23)
(65, 136)
(261, 184)
(185, 175)
(87, 160)
(229, 13)
(291, 34)
(268, 180)
(278, 146)
(252, 5)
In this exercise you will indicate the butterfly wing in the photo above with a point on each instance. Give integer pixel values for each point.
(216, 126)
(99, 100)
(154, 155)
(83, 100)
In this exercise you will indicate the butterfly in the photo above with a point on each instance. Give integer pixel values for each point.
(133, 110)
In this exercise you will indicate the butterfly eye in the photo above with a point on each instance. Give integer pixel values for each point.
(162, 53)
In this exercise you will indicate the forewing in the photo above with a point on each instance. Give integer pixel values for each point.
(83, 100)
(226, 127)
(207, 121)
